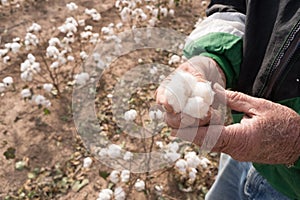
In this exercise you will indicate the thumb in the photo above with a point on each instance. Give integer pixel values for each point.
(241, 102)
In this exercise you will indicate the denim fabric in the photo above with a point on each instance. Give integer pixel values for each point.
(240, 181)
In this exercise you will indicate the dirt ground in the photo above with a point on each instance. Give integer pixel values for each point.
(49, 144)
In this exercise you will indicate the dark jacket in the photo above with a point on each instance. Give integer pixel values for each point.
(257, 44)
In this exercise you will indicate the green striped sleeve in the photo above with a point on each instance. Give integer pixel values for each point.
(224, 48)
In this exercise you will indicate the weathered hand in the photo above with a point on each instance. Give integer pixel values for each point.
(203, 69)
(268, 133)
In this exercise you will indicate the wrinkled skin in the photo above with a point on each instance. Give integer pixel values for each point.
(268, 133)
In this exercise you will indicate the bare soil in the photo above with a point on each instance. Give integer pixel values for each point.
(49, 144)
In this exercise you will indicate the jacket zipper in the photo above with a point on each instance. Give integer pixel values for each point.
(281, 62)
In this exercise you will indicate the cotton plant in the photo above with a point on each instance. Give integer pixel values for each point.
(132, 11)
(188, 170)
(108, 194)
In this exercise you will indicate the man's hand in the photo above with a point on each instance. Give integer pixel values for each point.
(203, 69)
(268, 133)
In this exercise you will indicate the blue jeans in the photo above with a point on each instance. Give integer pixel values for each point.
(240, 181)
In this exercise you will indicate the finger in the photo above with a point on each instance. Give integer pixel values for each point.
(161, 99)
(181, 120)
(211, 138)
(241, 102)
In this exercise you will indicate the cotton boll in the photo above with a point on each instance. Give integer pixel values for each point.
(96, 16)
(192, 174)
(164, 11)
(26, 76)
(47, 87)
(171, 156)
(179, 89)
(71, 27)
(105, 194)
(54, 41)
(119, 25)
(139, 185)
(155, 13)
(36, 67)
(143, 17)
(204, 90)
(159, 144)
(174, 59)
(8, 81)
(152, 21)
(128, 156)
(31, 57)
(196, 107)
(41, 100)
(82, 78)
(3, 52)
(94, 38)
(72, 6)
(2, 87)
(153, 70)
(16, 39)
(7, 45)
(25, 65)
(30, 39)
(26, 93)
(173, 147)
(204, 162)
(6, 59)
(87, 162)
(4, 2)
(130, 115)
(70, 58)
(71, 20)
(158, 190)
(155, 114)
(125, 176)
(85, 34)
(83, 55)
(125, 14)
(81, 22)
(52, 52)
(34, 28)
(114, 176)
(171, 12)
(15, 47)
(119, 193)
(181, 165)
(192, 159)
(103, 152)
(107, 31)
(54, 65)
(88, 28)
(114, 151)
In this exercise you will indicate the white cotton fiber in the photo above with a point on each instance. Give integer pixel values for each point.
(204, 90)
(196, 107)
(179, 89)
(186, 95)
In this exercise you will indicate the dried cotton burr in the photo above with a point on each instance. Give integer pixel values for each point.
(185, 94)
